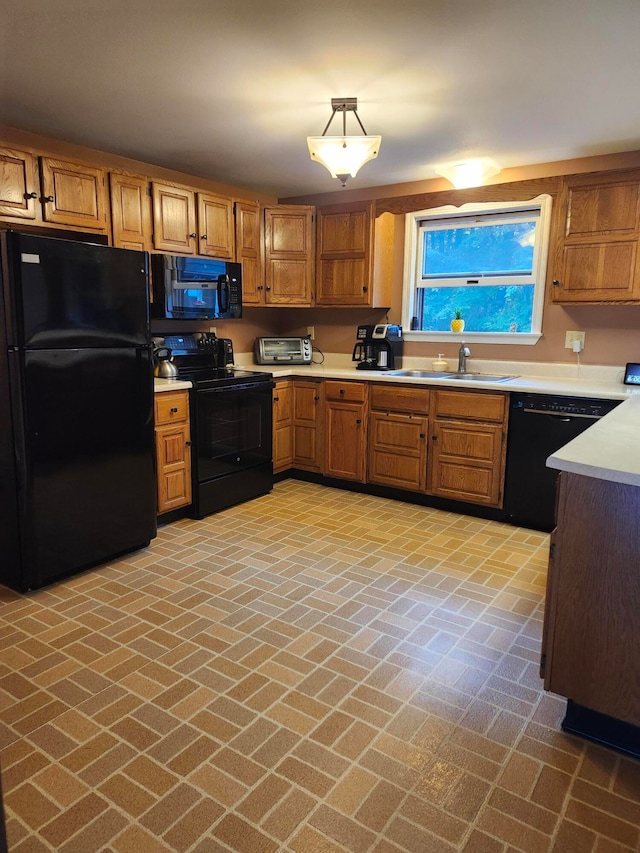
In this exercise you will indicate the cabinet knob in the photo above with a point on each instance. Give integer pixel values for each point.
(365, 288)
(276, 399)
(267, 288)
(48, 198)
(174, 410)
(422, 435)
(556, 283)
(434, 438)
(316, 399)
(203, 237)
(31, 195)
(358, 421)
(193, 235)
(188, 443)
(342, 391)
(259, 287)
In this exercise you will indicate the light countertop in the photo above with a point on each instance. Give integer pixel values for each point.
(161, 385)
(600, 383)
(608, 450)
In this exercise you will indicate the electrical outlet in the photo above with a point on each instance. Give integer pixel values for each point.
(311, 332)
(213, 330)
(574, 336)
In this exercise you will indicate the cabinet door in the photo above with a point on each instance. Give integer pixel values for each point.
(174, 219)
(282, 426)
(248, 251)
(288, 233)
(174, 467)
(346, 436)
(173, 450)
(130, 212)
(344, 254)
(73, 194)
(398, 450)
(467, 461)
(18, 185)
(307, 425)
(597, 257)
(215, 224)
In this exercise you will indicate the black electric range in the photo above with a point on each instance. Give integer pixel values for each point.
(231, 423)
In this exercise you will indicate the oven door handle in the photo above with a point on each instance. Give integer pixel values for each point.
(245, 387)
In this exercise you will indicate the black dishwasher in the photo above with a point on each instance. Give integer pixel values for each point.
(539, 425)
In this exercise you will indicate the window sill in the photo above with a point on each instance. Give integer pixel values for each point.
(512, 338)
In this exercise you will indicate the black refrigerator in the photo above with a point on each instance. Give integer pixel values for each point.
(77, 463)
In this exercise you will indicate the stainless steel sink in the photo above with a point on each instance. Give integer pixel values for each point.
(431, 374)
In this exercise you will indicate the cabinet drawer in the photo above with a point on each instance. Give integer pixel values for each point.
(352, 392)
(399, 398)
(171, 407)
(469, 405)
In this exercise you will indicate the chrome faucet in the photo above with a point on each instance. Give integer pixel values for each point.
(463, 354)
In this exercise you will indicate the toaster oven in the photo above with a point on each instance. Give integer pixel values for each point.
(283, 351)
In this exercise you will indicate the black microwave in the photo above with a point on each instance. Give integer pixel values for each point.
(190, 288)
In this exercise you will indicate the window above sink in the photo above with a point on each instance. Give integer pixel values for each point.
(487, 260)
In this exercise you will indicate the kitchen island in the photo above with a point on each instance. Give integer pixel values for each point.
(592, 613)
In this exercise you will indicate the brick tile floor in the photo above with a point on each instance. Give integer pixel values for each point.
(312, 671)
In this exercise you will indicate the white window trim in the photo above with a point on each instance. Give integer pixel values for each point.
(540, 271)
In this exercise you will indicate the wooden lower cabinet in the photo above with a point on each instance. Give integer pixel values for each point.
(173, 450)
(346, 430)
(468, 446)
(307, 422)
(398, 436)
(592, 619)
(282, 425)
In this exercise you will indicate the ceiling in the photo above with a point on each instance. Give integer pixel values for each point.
(230, 89)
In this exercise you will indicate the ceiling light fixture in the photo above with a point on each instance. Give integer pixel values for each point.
(469, 173)
(343, 155)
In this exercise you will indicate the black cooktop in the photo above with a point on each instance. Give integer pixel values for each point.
(211, 377)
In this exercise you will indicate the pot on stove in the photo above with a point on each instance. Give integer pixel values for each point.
(164, 368)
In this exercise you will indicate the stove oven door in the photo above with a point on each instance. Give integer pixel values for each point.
(232, 447)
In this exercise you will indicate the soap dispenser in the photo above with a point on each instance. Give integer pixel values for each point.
(440, 364)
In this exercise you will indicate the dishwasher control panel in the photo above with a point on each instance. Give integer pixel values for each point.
(576, 406)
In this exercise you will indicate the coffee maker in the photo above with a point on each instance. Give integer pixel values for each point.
(379, 347)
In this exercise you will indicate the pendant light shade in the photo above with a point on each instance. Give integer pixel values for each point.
(344, 155)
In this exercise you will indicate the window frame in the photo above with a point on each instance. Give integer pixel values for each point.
(412, 277)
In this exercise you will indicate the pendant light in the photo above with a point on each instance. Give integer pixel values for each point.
(343, 155)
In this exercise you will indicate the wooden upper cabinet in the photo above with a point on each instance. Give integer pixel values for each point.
(344, 254)
(215, 227)
(596, 247)
(174, 218)
(289, 244)
(73, 194)
(353, 256)
(18, 184)
(130, 212)
(248, 251)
